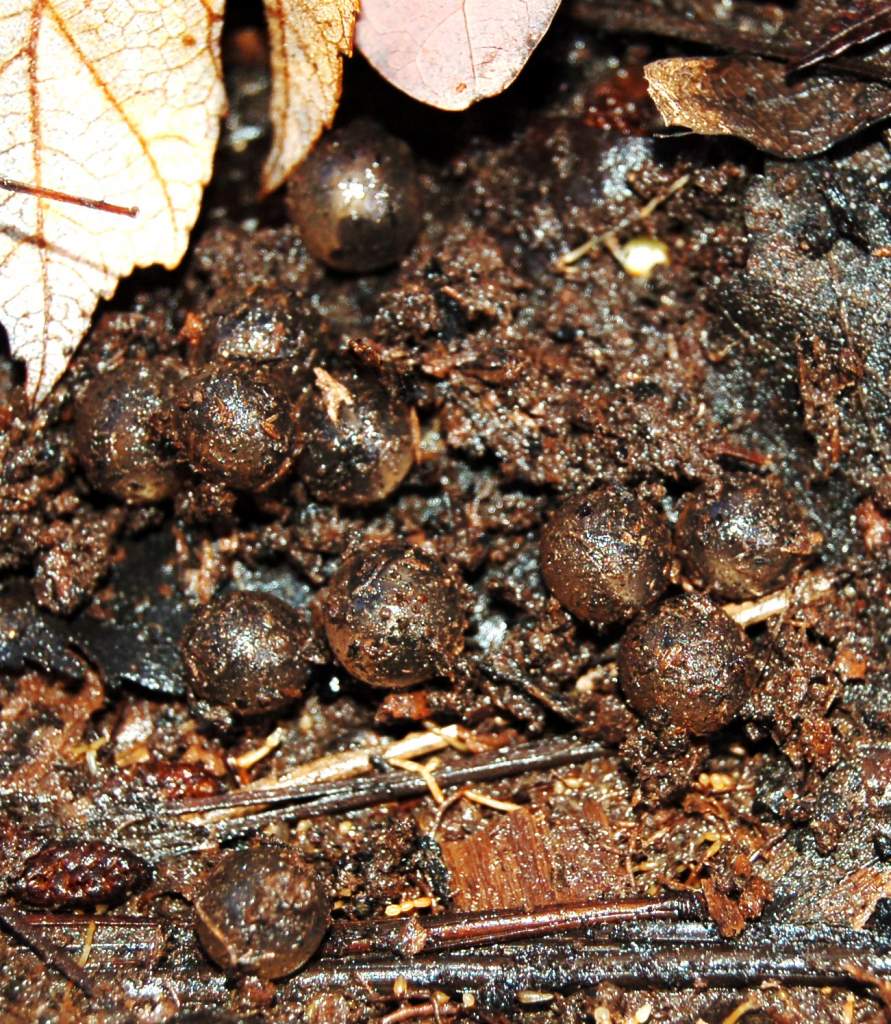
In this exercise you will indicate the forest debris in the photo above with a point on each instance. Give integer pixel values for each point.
(44, 724)
(527, 860)
(754, 100)
(810, 299)
(256, 754)
(300, 802)
(424, 771)
(812, 589)
(609, 238)
(422, 1011)
(16, 922)
(307, 41)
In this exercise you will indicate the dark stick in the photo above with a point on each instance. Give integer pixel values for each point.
(499, 976)
(639, 19)
(65, 197)
(551, 699)
(15, 923)
(334, 796)
(414, 935)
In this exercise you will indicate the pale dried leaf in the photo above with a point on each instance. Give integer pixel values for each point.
(106, 100)
(307, 41)
(451, 53)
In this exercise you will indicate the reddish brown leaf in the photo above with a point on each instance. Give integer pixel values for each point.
(451, 53)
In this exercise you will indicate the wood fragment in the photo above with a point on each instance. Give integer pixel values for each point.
(530, 859)
(17, 925)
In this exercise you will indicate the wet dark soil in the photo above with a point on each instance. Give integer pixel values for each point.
(757, 354)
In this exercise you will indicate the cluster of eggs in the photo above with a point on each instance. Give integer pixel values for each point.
(392, 615)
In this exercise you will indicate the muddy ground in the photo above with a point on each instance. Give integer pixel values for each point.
(757, 354)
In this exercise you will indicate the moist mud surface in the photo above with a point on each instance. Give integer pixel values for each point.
(260, 419)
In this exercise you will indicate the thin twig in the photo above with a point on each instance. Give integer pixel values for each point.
(415, 935)
(293, 804)
(66, 197)
(421, 1011)
(811, 590)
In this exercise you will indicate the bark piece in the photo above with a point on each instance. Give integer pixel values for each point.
(526, 860)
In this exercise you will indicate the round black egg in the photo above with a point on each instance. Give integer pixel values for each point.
(606, 554)
(261, 911)
(392, 616)
(686, 665)
(743, 541)
(356, 199)
(115, 433)
(356, 441)
(246, 651)
(234, 423)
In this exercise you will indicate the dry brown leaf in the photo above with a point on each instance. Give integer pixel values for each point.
(451, 53)
(107, 100)
(307, 41)
(753, 99)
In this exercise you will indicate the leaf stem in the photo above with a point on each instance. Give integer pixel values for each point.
(66, 197)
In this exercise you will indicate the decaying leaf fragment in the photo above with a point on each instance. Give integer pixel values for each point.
(451, 53)
(307, 41)
(754, 99)
(106, 100)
